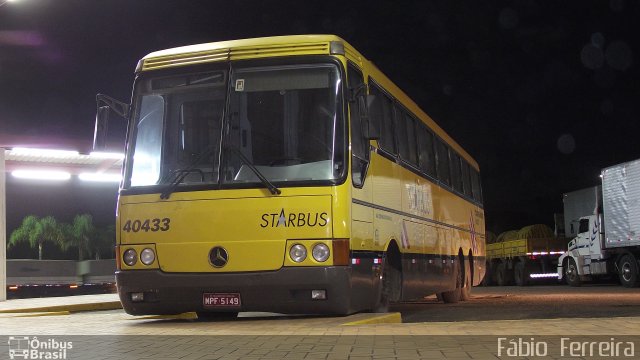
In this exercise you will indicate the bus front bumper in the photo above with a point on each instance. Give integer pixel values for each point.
(287, 291)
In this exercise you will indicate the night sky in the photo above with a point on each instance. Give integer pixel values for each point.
(542, 93)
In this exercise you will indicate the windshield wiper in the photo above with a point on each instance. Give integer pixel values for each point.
(180, 174)
(272, 188)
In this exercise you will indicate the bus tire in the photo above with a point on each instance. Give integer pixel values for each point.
(571, 273)
(453, 296)
(628, 271)
(390, 285)
(465, 290)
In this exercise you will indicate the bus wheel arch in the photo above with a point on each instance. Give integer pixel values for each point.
(390, 285)
(455, 295)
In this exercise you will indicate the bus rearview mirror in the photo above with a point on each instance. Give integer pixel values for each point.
(102, 125)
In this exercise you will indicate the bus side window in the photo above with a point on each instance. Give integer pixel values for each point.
(426, 154)
(475, 186)
(411, 139)
(466, 178)
(381, 112)
(456, 172)
(405, 136)
(359, 147)
(443, 163)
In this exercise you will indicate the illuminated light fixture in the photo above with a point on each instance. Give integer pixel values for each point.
(100, 177)
(47, 175)
(74, 286)
(13, 287)
(547, 275)
(536, 253)
(43, 152)
(106, 155)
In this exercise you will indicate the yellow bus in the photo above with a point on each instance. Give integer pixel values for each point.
(287, 174)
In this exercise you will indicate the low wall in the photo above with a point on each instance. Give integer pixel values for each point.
(54, 272)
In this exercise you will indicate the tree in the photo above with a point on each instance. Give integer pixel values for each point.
(79, 234)
(36, 231)
(104, 241)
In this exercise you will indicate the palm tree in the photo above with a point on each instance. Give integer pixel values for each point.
(79, 234)
(104, 240)
(37, 231)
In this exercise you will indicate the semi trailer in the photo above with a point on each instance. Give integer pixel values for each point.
(607, 242)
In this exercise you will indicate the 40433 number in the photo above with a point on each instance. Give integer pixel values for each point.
(147, 225)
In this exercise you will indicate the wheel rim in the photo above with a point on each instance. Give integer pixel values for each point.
(571, 272)
(626, 271)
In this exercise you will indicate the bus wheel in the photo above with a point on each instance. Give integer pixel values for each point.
(390, 287)
(571, 273)
(465, 291)
(207, 316)
(453, 296)
(628, 271)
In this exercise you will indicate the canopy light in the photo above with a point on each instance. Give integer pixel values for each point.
(43, 152)
(100, 177)
(46, 175)
(106, 155)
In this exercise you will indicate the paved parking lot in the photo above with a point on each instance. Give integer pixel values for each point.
(430, 330)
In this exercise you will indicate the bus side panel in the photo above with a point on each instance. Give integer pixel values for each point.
(365, 280)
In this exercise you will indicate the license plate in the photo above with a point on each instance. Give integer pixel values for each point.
(221, 300)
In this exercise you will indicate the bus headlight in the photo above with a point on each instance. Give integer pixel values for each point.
(147, 256)
(320, 252)
(298, 253)
(130, 257)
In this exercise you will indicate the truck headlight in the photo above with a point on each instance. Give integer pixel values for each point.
(130, 257)
(298, 253)
(320, 252)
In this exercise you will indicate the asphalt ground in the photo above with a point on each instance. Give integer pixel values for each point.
(475, 329)
(529, 302)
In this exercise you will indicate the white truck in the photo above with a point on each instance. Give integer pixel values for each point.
(608, 240)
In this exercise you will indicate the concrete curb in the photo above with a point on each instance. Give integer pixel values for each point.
(71, 308)
(391, 318)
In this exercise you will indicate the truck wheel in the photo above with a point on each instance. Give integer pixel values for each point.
(453, 296)
(488, 273)
(502, 276)
(628, 268)
(520, 274)
(571, 273)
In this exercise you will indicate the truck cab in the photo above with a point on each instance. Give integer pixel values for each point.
(584, 252)
(588, 240)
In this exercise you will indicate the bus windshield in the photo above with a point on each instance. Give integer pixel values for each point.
(237, 128)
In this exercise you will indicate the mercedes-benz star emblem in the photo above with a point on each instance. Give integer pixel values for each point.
(218, 257)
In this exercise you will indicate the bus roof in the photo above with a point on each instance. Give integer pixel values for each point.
(284, 46)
